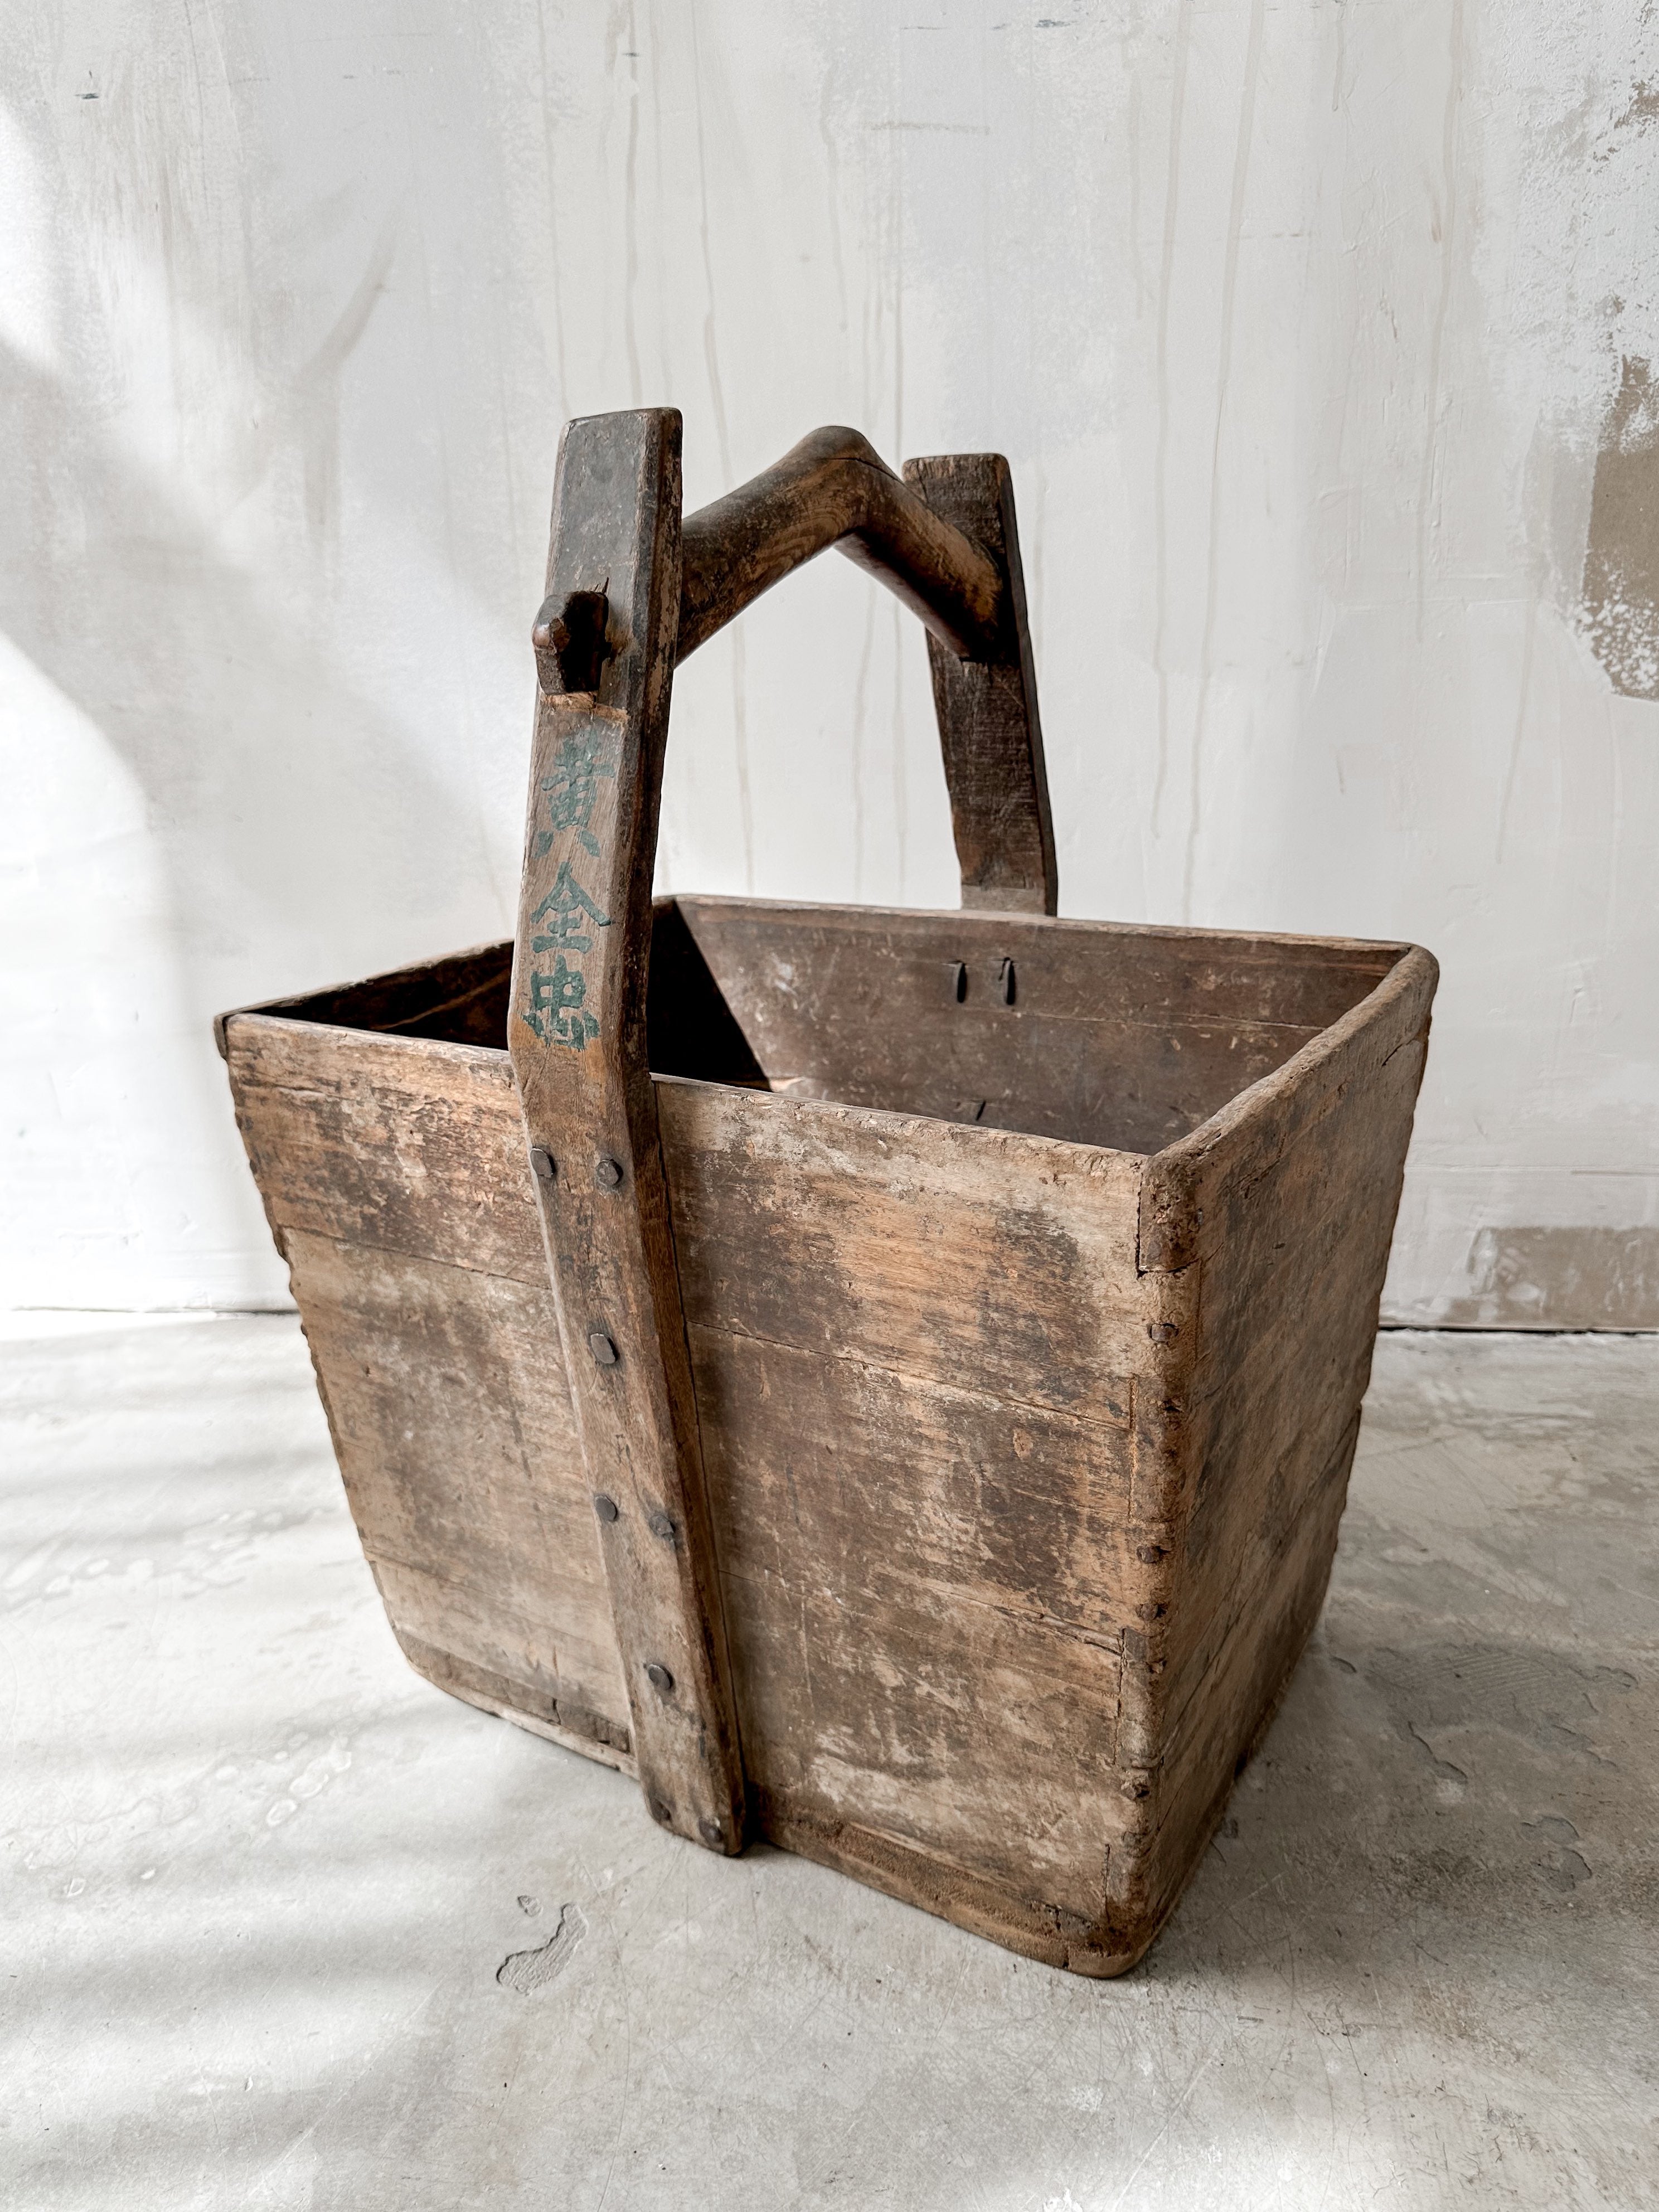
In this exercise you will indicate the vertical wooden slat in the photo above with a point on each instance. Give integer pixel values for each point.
(577, 1037)
(987, 709)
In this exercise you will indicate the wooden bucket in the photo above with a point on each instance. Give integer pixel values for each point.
(886, 1379)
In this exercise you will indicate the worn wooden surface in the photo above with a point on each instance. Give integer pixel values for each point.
(576, 1033)
(833, 488)
(1276, 1215)
(1024, 1456)
(394, 1175)
(1126, 1038)
(961, 1319)
(987, 705)
(915, 1348)
(460, 999)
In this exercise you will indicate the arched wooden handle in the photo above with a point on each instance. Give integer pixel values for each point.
(944, 539)
(833, 488)
(627, 586)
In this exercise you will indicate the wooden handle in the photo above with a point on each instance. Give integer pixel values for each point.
(577, 1038)
(833, 488)
(944, 540)
(622, 580)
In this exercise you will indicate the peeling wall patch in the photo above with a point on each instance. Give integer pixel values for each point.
(1620, 609)
(1579, 1278)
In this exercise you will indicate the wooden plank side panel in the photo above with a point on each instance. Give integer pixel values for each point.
(1281, 1213)
(1119, 1037)
(924, 1592)
(447, 1397)
(1288, 1317)
(982, 1260)
(460, 997)
(1090, 970)
(1250, 1668)
(402, 1143)
(914, 1347)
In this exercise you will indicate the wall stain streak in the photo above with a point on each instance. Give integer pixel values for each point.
(1222, 378)
(1184, 31)
(728, 476)
(1448, 227)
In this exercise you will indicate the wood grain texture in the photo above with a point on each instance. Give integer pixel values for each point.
(833, 488)
(1024, 1458)
(402, 1143)
(915, 1347)
(577, 1037)
(459, 1000)
(987, 705)
(1123, 1038)
(452, 1424)
(1276, 1217)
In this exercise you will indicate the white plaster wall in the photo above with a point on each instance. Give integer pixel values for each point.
(1299, 324)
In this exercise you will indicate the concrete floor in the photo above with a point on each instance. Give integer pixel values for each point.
(288, 1927)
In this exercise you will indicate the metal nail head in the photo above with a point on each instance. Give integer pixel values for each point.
(608, 1174)
(604, 1507)
(712, 1834)
(542, 1160)
(661, 1811)
(660, 1678)
(662, 1524)
(602, 1348)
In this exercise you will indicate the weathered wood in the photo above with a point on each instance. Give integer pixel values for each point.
(577, 1037)
(976, 1259)
(987, 705)
(404, 1143)
(1278, 1215)
(1116, 1037)
(1196, 1182)
(1016, 1535)
(833, 488)
(979, 1304)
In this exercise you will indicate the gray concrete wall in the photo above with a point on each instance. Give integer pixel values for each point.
(1318, 337)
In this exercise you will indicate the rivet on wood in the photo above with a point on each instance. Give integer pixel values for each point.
(608, 1174)
(542, 1160)
(604, 1507)
(661, 1811)
(711, 1832)
(602, 1348)
(663, 1525)
(660, 1678)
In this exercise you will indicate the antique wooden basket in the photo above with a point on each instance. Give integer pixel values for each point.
(886, 1379)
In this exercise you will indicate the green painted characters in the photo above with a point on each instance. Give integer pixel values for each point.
(568, 917)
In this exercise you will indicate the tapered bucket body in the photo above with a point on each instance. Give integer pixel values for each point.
(1029, 1272)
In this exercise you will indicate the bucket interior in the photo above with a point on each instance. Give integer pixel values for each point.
(1094, 1033)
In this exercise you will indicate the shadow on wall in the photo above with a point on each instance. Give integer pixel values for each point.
(287, 816)
(278, 791)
